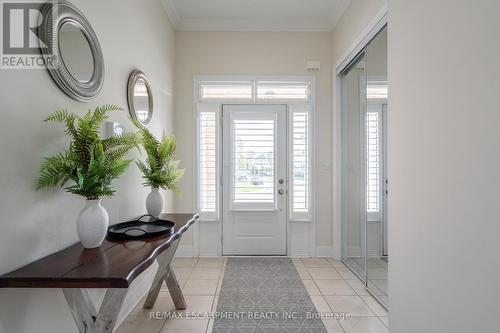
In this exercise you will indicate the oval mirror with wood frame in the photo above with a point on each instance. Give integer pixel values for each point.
(140, 97)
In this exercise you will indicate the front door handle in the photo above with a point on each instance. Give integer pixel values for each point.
(281, 192)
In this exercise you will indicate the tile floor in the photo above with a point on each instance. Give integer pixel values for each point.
(377, 275)
(332, 287)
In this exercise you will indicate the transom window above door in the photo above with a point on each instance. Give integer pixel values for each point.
(255, 90)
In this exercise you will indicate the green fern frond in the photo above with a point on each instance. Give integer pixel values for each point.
(58, 116)
(125, 139)
(70, 126)
(54, 169)
(118, 153)
(148, 139)
(159, 169)
(167, 148)
(101, 113)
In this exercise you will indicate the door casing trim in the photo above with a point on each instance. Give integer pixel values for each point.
(196, 251)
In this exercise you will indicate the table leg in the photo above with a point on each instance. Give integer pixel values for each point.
(175, 290)
(87, 319)
(166, 273)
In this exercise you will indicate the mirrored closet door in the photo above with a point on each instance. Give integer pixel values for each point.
(364, 174)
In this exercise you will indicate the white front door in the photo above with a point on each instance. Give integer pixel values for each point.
(254, 180)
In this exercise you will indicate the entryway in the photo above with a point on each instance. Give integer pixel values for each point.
(254, 157)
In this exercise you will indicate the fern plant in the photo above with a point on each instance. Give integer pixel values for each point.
(160, 169)
(91, 163)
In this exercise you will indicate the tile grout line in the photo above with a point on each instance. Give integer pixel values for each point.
(363, 300)
(345, 280)
(214, 301)
(324, 299)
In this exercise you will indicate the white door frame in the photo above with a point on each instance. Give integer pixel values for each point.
(275, 214)
(385, 222)
(377, 24)
(215, 224)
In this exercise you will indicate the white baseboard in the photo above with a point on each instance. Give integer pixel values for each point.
(324, 251)
(298, 254)
(184, 251)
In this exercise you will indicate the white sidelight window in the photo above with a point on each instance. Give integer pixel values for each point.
(208, 173)
(300, 156)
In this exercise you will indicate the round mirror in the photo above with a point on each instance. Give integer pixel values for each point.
(75, 52)
(140, 97)
(76, 61)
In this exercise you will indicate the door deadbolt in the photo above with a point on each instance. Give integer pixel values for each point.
(281, 181)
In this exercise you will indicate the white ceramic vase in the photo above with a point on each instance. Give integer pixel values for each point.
(154, 202)
(92, 224)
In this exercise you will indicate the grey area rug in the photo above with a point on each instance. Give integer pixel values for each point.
(264, 295)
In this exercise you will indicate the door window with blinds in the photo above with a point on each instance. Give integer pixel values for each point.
(253, 144)
(253, 160)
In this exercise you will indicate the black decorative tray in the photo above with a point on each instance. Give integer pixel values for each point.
(139, 229)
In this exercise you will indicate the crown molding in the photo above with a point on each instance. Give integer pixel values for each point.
(172, 13)
(327, 25)
(339, 10)
(253, 25)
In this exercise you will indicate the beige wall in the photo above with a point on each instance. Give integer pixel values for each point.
(444, 162)
(133, 34)
(247, 53)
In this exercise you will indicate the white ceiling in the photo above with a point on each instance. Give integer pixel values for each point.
(254, 15)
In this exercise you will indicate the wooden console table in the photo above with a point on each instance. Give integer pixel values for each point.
(114, 265)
